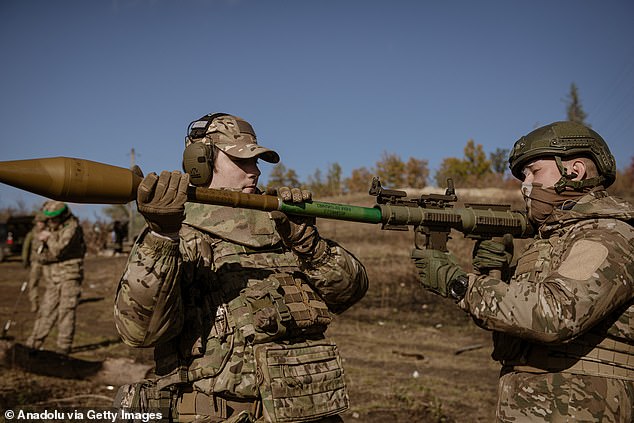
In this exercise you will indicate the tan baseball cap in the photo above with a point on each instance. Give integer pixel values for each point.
(235, 137)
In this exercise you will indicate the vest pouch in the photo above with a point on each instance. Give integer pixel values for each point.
(300, 382)
(217, 353)
(259, 312)
(143, 401)
(310, 313)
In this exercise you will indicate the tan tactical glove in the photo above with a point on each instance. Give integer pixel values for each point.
(161, 200)
(298, 232)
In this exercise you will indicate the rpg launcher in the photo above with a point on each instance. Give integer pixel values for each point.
(434, 216)
(84, 181)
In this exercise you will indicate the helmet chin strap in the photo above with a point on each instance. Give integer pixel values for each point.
(566, 179)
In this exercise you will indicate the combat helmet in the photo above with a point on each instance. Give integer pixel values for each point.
(561, 140)
(56, 210)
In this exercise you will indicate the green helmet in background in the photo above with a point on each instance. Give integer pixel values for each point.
(56, 210)
(564, 140)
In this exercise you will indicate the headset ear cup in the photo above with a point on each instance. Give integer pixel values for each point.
(198, 163)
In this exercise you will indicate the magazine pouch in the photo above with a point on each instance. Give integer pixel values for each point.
(300, 382)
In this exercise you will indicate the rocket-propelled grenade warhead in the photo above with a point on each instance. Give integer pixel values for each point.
(72, 180)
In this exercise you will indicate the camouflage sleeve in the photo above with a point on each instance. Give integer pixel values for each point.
(594, 278)
(26, 248)
(148, 305)
(64, 243)
(337, 276)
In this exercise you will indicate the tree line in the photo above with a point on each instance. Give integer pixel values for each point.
(475, 169)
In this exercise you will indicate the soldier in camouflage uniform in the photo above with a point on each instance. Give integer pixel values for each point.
(32, 258)
(235, 302)
(563, 320)
(62, 255)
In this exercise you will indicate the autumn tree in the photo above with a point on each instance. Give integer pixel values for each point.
(292, 180)
(276, 176)
(451, 167)
(391, 170)
(473, 170)
(416, 173)
(359, 180)
(316, 184)
(574, 110)
(499, 160)
(333, 180)
(477, 163)
(282, 177)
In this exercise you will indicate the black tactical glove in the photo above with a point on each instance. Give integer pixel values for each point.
(297, 232)
(493, 256)
(439, 272)
(161, 200)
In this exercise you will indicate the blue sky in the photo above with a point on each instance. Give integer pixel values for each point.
(322, 82)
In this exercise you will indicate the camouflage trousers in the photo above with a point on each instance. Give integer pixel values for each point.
(564, 397)
(35, 276)
(58, 306)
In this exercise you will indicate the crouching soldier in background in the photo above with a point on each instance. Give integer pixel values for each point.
(235, 302)
(62, 254)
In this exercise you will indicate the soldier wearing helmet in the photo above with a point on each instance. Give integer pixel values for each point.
(562, 315)
(62, 256)
(228, 297)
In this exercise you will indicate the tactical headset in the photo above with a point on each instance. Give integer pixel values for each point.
(198, 157)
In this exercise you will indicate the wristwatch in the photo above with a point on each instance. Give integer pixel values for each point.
(457, 287)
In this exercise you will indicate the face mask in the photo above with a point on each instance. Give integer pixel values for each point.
(541, 201)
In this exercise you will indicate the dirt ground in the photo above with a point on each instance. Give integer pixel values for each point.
(409, 356)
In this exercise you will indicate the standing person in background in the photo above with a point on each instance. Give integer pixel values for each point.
(119, 230)
(32, 258)
(229, 298)
(63, 269)
(563, 318)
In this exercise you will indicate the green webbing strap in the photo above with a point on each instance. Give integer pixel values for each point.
(282, 308)
(566, 179)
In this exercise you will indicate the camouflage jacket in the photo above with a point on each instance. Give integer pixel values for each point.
(192, 300)
(32, 247)
(570, 303)
(63, 252)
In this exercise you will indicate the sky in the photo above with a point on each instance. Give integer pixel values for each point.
(321, 81)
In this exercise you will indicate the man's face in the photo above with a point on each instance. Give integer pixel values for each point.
(542, 171)
(239, 174)
(54, 223)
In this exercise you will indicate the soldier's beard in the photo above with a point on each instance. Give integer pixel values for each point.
(540, 201)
